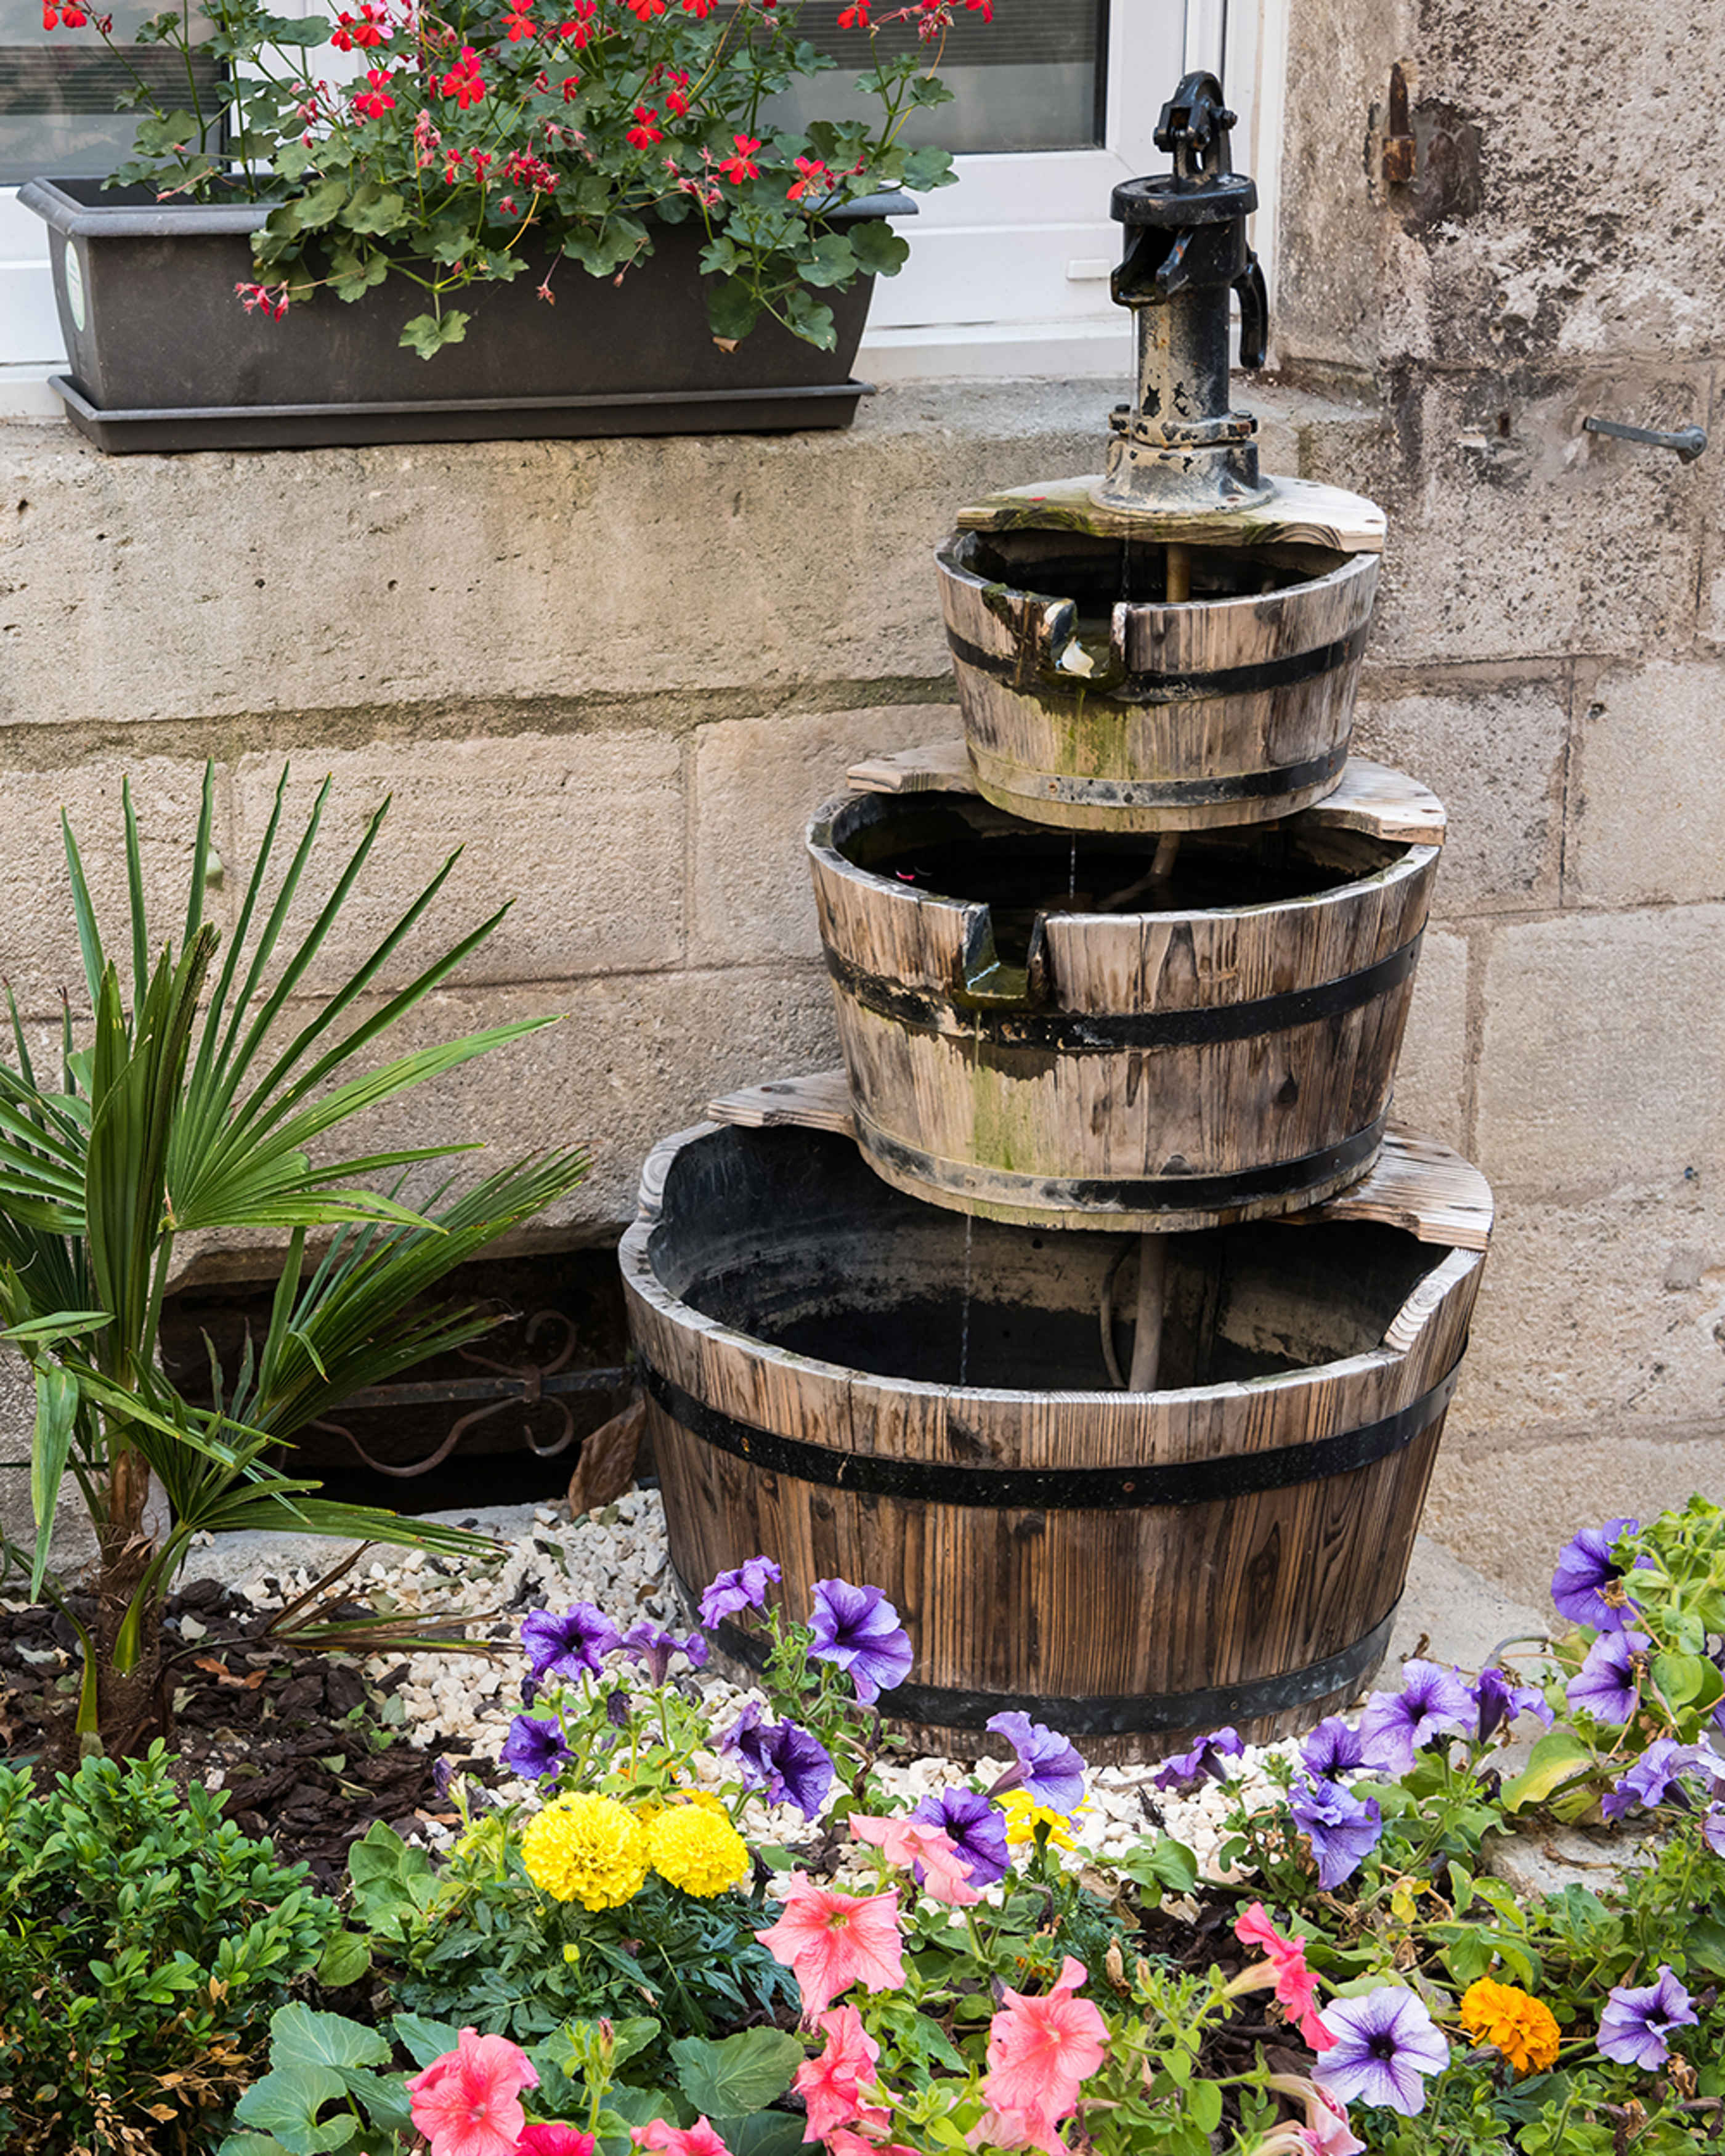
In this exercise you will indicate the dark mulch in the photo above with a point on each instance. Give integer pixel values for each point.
(309, 1751)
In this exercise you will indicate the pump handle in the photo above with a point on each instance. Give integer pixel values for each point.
(1253, 313)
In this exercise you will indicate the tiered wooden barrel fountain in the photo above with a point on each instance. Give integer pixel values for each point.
(1096, 1309)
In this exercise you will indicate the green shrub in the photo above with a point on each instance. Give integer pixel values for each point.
(144, 1942)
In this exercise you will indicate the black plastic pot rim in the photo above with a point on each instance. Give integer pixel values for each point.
(64, 212)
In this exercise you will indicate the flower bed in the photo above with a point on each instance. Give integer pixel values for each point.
(698, 1920)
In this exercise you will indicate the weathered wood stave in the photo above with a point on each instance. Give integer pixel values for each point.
(1160, 1071)
(1120, 1621)
(1225, 709)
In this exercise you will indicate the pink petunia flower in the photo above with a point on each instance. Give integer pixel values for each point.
(1285, 1964)
(551, 2137)
(842, 2141)
(1327, 2131)
(1042, 2051)
(698, 2140)
(832, 1941)
(908, 1842)
(832, 2085)
(467, 2102)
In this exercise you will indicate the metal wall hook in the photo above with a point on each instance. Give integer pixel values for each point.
(1688, 442)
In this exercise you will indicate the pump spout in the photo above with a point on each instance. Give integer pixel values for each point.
(1179, 447)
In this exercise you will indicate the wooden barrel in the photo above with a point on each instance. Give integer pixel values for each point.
(864, 1386)
(1025, 1042)
(1091, 702)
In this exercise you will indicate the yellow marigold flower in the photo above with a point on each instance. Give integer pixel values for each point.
(1024, 1815)
(586, 1849)
(1522, 2029)
(697, 1850)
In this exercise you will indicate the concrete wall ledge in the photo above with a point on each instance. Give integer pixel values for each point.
(462, 582)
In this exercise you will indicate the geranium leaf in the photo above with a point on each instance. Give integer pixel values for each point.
(738, 2074)
(300, 2036)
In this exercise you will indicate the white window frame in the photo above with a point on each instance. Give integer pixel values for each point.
(1009, 269)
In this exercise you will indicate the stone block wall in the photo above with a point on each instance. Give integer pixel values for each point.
(623, 674)
(1548, 655)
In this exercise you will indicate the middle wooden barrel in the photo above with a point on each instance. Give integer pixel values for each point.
(1069, 1029)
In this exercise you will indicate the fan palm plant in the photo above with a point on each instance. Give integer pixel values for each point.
(205, 1099)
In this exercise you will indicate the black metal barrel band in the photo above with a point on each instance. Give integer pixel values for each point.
(1053, 1489)
(1109, 1714)
(1068, 1032)
(1106, 1194)
(1277, 780)
(1147, 685)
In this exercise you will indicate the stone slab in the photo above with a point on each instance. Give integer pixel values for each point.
(581, 834)
(1493, 750)
(757, 783)
(1647, 803)
(1602, 1046)
(1431, 1071)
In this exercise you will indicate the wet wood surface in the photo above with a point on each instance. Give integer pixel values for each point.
(1299, 513)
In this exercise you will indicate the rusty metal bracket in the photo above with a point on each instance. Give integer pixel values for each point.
(534, 1385)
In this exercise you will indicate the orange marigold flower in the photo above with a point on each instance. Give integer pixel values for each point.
(1521, 2027)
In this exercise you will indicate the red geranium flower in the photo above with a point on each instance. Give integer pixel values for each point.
(643, 134)
(464, 82)
(741, 167)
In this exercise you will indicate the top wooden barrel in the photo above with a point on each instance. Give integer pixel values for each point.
(1099, 692)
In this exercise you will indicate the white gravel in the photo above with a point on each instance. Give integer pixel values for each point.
(617, 1559)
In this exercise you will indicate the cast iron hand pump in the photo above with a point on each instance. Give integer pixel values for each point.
(1180, 447)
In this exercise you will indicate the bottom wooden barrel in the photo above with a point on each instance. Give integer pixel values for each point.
(861, 1385)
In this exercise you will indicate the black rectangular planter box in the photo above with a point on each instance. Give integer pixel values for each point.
(163, 356)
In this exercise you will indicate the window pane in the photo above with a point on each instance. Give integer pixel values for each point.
(57, 87)
(1031, 79)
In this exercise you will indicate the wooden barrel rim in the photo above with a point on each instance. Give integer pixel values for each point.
(948, 928)
(945, 1422)
(1146, 623)
(1109, 1713)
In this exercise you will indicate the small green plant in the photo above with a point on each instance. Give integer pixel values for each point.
(198, 1100)
(144, 1942)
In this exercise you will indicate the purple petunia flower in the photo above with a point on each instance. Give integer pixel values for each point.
(1634, 2024)
(1386, 2043)
(1333, 1749)
(744, 1588)
(1655, 1778)
(1498, 1700)
(1713, 1828)
(1343, 1829)
(1202, 1763)
(567, 1645)
(655, 1648)
(788, 1764)
(857, 1628)
(978, 1828)
(1605, 1683)
(1432, 1702)
(1584, 1568)
(533, 1748)
(1046, 1765)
